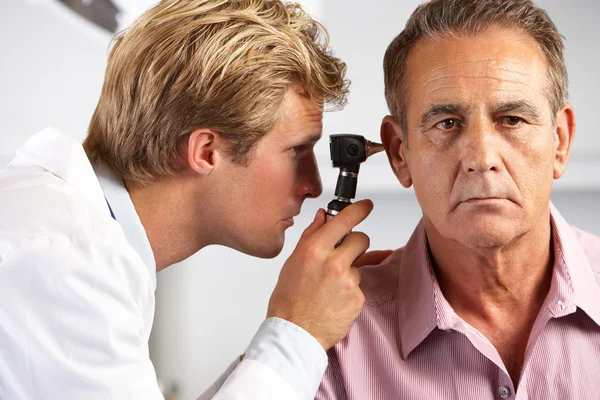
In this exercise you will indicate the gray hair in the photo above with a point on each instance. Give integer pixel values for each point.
(440, 18)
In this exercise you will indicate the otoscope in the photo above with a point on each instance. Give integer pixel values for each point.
(347, 153)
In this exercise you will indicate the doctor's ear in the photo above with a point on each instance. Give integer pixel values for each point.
(394, 141)
(201, 149)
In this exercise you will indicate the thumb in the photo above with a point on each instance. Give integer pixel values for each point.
(317, 223)
(371, 258)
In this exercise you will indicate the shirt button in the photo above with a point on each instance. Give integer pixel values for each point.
(561, 305)
(504, 392)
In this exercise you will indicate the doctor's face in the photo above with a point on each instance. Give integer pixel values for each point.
(262, 198)
(482, 150)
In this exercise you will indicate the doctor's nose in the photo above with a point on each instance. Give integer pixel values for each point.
(309, 179)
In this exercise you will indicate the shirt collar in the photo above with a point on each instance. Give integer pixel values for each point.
(574, 284)
(423, 306)
(117, 196)
(415, 288)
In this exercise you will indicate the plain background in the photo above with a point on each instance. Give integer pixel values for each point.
(209, 306)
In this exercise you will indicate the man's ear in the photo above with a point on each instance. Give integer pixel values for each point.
(565, 132)
(201, 150)
(395, 147)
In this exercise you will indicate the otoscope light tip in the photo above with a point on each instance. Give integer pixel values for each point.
(373, 148)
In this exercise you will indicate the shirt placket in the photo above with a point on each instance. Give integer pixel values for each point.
(506, 389)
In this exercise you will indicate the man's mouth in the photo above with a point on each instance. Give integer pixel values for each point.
(288, 221)
(484, 201)
(476, 199)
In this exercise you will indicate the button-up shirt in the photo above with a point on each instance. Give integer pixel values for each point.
(408, 343)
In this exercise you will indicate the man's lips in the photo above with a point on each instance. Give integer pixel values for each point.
(475, 199)
(484, 201)
(288, 221)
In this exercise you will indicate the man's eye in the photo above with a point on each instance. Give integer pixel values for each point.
(511, 121)
(447, 124)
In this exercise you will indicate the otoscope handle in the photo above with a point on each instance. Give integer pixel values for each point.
(333, 208)
(347, 151)
(347, 181)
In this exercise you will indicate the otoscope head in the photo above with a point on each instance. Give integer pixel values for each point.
(349, 150)
(347, 153)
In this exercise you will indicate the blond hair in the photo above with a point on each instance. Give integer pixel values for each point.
(439, 18)
(217, 64)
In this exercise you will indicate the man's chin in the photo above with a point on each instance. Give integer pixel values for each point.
(265, 250)
(487, 235)
(270, 254)
(480, 229)
(485, 240)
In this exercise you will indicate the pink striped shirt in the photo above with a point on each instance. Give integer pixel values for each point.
(408, 343)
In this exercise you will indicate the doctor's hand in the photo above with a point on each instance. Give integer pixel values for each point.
(318, 285)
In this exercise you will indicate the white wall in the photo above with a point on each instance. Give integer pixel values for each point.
(51, 71)
(209, 306)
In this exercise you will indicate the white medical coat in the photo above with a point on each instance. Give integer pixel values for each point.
(77, 299)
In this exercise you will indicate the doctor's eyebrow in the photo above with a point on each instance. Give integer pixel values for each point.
(438, 110)
(312, 139)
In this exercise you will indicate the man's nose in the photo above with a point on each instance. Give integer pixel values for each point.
(309, 183)
(481, 149)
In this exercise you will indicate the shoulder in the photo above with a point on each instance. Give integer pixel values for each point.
(36, 203)
(49, 230)
(379, 283)
(33, 199)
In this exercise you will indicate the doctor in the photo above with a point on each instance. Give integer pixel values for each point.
(203, 134)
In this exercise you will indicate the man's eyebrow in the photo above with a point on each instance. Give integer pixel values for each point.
(521, 106)
(440, 109)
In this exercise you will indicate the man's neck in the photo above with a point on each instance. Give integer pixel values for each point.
(167, 211)
(498, 291)
(484, 280)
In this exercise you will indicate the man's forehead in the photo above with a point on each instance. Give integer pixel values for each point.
(432, 53)
(447, 69)
(306, 124)
(298, 107)
(300, 120)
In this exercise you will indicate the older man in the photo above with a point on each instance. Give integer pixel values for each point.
(495, 295)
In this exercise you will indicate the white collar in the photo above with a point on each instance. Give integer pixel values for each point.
(121, 205)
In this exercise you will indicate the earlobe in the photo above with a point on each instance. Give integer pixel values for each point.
(395, 147)
(565, 132)
(201, 149)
